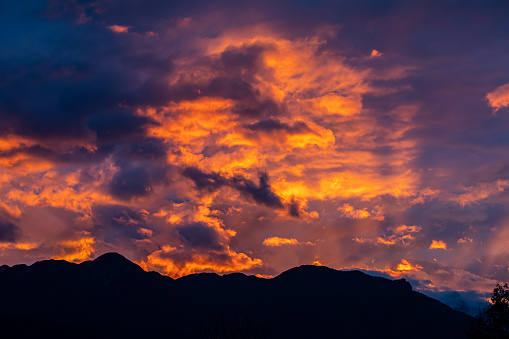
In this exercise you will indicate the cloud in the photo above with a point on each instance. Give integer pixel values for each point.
(277, 241)
(75, 250)
(405, 266)
(499, 98)
(376, 54)
(130, 183)
(350, 212)
(9, 233)
(200, 236)
(177, 263)
(438, 244)
(119, 29)
(480, 191)
(261, 193)
(399, 235)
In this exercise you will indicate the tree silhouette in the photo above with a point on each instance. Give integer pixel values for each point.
(493, 321)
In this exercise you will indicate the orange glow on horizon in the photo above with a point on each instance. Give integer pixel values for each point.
(76, 250)
(234, 262)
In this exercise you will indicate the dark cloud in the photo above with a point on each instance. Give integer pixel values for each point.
(294, 209)
(146, 148)
(245, 61)
(261, 194)
(205, 181)
(118, 224)
(117, 126)
(235, 73)
(9, 232)
(271, 125)
(200, 236)
(131, 183)
(72, 85)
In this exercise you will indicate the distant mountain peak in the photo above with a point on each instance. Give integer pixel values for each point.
(114, 261)
(112, 257)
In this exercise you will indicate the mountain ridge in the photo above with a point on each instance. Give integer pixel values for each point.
(116, 297)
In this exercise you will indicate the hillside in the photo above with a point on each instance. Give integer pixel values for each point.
(113, 297)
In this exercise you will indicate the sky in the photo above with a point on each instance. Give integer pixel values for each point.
(254, 137)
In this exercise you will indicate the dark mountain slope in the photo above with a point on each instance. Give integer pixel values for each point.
(113, 297)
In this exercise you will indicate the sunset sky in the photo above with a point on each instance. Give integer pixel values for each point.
(253, 137)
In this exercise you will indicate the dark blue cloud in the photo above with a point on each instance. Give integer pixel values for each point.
(261, 194)
(131, 183)
(200, 236)
(9, 232)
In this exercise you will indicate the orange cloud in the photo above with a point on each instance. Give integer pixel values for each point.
(438, 245)
(406, 229)
(75, 250)
(26, 246)
(350, 212)
(499, 98)
(229, 261)
(400, 236)
(480, 191)
(293, 74)
(406, 266)
(119, 29)
(375, 54)
(276, 241)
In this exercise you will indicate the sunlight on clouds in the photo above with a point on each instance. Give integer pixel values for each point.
(376, 54)
(480, 191)
(75, 250)
(407, 266)
(168, 261)
(399, 235)
(25, 246)
(277, 241)
(350, 212)
(438, 244)
(119, 28)
(499, 98)
(288, 73)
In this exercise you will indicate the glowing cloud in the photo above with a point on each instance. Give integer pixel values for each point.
(175, 263)
(119, 29)
(276, 241)
(499, 98)
(375, 54)
(406, 266)
(350, 212)
(76, 250)
(438, 244)
(399, 235)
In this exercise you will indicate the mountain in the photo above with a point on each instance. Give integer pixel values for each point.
(111, 297)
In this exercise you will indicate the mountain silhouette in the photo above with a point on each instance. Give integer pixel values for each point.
(111, 297)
